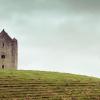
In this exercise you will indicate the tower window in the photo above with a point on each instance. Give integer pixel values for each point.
(2, 66)
(3, 56)
(2, 44)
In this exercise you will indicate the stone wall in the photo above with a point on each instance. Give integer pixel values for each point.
(8, 51)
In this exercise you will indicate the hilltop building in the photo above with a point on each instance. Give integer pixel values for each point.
(8, 51)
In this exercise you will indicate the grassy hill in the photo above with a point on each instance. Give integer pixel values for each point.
(40, 85)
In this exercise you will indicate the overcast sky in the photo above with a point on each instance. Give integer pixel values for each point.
(55, 35)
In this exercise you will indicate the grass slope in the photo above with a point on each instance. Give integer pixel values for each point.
(40, 85)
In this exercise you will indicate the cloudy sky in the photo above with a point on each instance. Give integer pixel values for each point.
(55, 35)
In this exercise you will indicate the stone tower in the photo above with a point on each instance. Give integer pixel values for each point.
(8, 51)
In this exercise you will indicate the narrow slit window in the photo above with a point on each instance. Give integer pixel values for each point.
(2, 66)
(2, 44)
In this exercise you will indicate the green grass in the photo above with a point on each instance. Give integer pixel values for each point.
(41, 85)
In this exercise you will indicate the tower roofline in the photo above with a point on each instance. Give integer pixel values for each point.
(14, 39)
(3, 31)
(5, 34)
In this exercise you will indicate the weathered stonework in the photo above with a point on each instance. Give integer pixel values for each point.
(8, 51)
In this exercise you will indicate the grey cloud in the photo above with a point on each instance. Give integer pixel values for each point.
(85, 5)
(66, 6)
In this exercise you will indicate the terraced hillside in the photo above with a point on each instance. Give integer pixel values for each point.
(37, 85)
